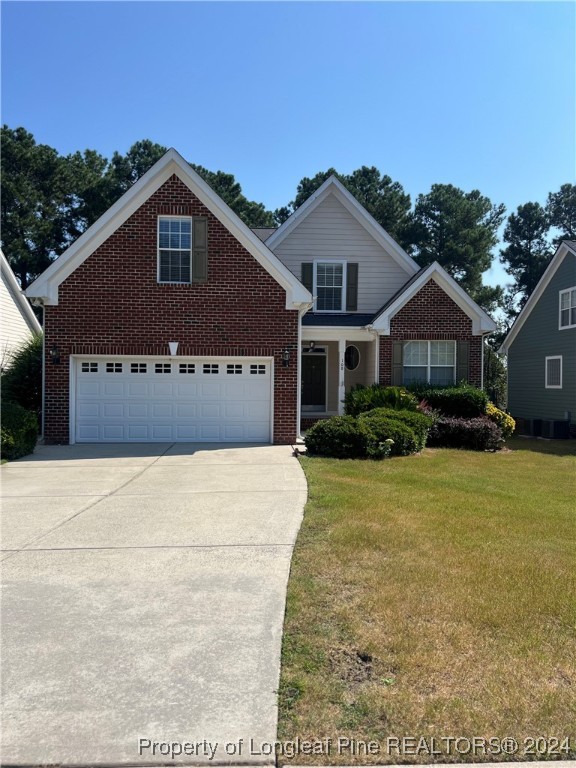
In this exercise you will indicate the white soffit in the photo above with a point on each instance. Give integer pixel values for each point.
(46, 285)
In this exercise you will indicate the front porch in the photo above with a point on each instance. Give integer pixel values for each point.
(333, 360)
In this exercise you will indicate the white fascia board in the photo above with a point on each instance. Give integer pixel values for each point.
(563, 250)
(320, 333)
(46, 286)
(482, 323)
(19, 298)
(334, 187)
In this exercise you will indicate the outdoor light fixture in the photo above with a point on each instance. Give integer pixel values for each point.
(312, 344)
(55, 354)
(286, 357)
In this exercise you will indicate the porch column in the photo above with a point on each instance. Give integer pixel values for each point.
(341, 372)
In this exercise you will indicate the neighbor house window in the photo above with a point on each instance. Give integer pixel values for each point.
(174, 249)
(568, 308)
(554, 372)
(429, 361)
(330, 285)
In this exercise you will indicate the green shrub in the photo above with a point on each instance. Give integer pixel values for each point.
(341, 437)
(19, 431)
(479, 434)
(360, 399)
(463, 401)
(418, 422)
(22, 379)
(384, 428)
(502, 419)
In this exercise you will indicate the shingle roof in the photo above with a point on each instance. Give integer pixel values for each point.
(336, 320)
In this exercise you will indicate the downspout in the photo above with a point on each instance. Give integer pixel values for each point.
(303, 308)
(482, 362)
(40, 303)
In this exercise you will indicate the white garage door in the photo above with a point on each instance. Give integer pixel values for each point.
(183, 400)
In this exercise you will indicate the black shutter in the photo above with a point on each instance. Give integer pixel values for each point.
(308, 276)
(199, 249)
(462, 361)
(397, 363)
(352, 288)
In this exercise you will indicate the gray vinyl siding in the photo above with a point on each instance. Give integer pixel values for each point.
(331, 232)
(539, 338)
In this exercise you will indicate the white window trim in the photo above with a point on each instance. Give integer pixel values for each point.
(180, 218)
(344, 281)
(552, 386)
(560, 326)
(428, 365)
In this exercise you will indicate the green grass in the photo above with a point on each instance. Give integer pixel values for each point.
(434, 595)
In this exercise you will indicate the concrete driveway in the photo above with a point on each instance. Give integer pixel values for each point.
(143, 600)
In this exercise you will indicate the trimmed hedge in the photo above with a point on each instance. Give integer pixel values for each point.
(360, 399)
(418, 422)
(384, 428)
(463, 401)
(478, 434)
(19, 431)
(341, 437)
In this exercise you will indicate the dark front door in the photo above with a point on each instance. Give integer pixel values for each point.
(314, 382)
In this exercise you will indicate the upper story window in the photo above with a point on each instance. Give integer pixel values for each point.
(429, 361)
(330, 286)
(568, 308)
(174, 249)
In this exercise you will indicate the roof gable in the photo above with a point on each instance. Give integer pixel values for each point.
(19, 299)
(566, 247)
(481, 321)
(46, 285)
(334, 187)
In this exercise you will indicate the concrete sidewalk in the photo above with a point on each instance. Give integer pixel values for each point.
(144, 599)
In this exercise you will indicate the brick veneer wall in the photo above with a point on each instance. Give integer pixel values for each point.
(431, 315)
(113, 305)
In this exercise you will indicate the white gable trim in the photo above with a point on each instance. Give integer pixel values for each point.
(334, 187)
(563, 250)
(46, 285)
(18, 297)
(481, 322)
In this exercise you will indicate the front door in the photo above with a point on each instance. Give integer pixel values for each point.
(314, 382)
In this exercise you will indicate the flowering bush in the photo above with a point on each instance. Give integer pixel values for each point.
(502, 419)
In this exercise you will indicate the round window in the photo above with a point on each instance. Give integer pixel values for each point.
(352, 358)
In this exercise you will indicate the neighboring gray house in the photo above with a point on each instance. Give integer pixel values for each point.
(18, 322)
(541, 349)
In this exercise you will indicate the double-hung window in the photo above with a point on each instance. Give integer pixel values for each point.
(429, 361)
(568, 308)
(174, 249)
(553, 373)
(330, 286)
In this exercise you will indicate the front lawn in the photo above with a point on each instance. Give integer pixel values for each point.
(434, 596)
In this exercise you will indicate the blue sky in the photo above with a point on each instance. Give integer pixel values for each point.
(477, 94)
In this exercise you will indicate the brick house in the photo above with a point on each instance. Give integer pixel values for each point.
(170, 320)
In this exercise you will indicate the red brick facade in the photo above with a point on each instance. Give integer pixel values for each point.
(431, 315)
(113, 305)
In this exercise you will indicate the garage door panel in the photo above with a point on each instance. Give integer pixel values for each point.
(189, 401)
(138, 432)
(87, 410)
(186, 410)
(138, 410)
(138, 389)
